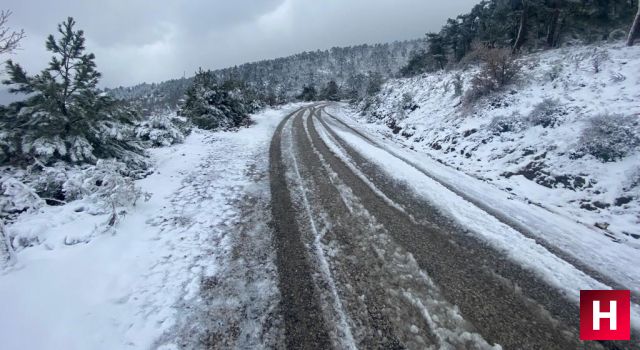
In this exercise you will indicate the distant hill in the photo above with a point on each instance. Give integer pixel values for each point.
(286, 76)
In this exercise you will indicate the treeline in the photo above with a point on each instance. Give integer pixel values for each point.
(150, 98)
(522, 25)
(64, 117)
(355, 70)
(214, 104)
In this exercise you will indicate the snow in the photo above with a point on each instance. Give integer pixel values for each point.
(537, 176)
(463, 137)
(412, 168)
(82, 285)
(333, 302)
(443, 318)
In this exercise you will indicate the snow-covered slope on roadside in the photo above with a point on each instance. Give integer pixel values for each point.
(122, 288)
(534, 140)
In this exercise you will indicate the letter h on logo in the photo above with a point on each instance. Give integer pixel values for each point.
(605, 315)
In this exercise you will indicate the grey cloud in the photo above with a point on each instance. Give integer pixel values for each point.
(146, 40)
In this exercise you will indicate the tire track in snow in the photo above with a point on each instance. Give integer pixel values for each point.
(554, 300)
(302, 314)
(416, 312)
(332, 305)
(597, 275)
(464, 269)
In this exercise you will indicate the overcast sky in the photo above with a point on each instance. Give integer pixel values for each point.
(146, 40)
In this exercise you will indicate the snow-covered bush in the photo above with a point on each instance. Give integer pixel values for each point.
(6, 143)
(161, 130)
(632, 185)
(7, 255)
(406, 106)
(598, 59)
(99, 189)
(458, 84)
(104, 185)
(503, 123)
(47, 181)
(555, 71)
(577, 59)
(499, 68)
(545, 113)
(609, 137)
(17, 197)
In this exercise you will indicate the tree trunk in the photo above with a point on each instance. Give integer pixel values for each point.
(559, 29)
(635, 28)
(553, 27)
(522, 31)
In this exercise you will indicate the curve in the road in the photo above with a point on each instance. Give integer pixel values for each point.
(379, 240)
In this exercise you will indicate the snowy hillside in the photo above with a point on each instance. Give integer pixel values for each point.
(565, 136)
(284, 77)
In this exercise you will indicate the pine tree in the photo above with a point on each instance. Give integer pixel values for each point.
(375, 83)
(331, 92)
(212, 106)
(308, 93)
(418, 63)
(355, 87)
(65, 117)
(437, 49)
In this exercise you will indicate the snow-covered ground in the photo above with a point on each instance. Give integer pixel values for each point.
(85, 287)
(410, 167)
(533, 139)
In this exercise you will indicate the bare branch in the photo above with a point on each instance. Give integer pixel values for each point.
(9, 39)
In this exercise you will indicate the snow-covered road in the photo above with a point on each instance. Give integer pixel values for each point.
(400, 259)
